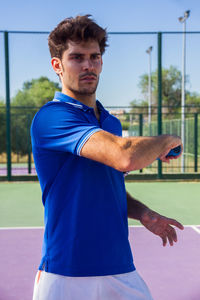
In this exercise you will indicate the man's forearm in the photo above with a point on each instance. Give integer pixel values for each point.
(142, 151)
(127, 154)
(135, 208)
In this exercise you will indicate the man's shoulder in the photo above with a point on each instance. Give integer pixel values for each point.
(50, 106)
(56, 109)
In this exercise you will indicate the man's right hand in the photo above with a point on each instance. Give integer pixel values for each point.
(173, 142)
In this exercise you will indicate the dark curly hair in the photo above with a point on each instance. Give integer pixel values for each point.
(78, 29)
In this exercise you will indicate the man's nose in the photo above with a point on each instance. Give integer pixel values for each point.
(88, 64)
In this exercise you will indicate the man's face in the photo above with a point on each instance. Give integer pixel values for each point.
(81, 66)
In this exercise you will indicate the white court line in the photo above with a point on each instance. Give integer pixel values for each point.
(196, 229)
(190, 226)
(16, 228)
(130, 226)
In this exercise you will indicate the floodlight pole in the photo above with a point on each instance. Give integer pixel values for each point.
(148, 51)
(183, 21)
(183, 100)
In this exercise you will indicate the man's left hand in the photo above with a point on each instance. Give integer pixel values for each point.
(161, 226)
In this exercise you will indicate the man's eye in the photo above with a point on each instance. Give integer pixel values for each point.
(77, 57)
(95, 57)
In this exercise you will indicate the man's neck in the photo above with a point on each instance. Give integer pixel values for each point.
(89, 100)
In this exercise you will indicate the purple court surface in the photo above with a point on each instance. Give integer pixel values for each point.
(172, 273)
(17, 171)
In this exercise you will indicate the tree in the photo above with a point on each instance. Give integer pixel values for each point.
(171, 90)
(36, 92)
(24, 105)
(193, 101)
(139, 106)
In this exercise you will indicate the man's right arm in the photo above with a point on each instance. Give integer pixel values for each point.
(127, 154)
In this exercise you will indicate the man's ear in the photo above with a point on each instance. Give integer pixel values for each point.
(57, 65)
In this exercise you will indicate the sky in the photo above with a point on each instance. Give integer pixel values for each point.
(125, 60)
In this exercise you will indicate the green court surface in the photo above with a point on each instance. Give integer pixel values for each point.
(21, 205)
(179, 200)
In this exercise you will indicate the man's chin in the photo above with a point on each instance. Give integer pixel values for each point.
(85, 92)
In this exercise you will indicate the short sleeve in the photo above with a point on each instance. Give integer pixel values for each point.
(59, 127)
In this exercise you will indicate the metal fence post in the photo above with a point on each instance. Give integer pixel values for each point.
(141, 128)
(159, 96)
(196, 142)
(8, 140)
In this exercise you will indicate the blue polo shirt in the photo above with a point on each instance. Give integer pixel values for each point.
(85, 206)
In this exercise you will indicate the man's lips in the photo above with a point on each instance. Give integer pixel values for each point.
(88, 78)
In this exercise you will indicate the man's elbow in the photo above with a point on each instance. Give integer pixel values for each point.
(127, 164)
(127, 160)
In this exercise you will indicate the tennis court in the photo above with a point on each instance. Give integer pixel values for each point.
(172, 273)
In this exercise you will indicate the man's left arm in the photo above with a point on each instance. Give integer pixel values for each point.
(154, 222)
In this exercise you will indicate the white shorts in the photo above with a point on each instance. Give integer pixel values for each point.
(127, 286)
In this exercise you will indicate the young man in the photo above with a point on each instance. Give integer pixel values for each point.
(80, 159)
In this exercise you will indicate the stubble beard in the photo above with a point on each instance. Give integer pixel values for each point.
(84, 91)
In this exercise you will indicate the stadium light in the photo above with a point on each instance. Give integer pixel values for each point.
(183, 21)
(148, 51)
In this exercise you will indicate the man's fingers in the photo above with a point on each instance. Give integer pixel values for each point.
(164, 239)
(174, 235)
(170, 239)
(165, 159)
(169, 235)
(171, 232)
(176, 223)
(167, 238)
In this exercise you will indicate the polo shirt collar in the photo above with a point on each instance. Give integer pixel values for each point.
(67, 99)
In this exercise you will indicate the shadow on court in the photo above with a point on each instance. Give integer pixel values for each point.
(172, 273)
